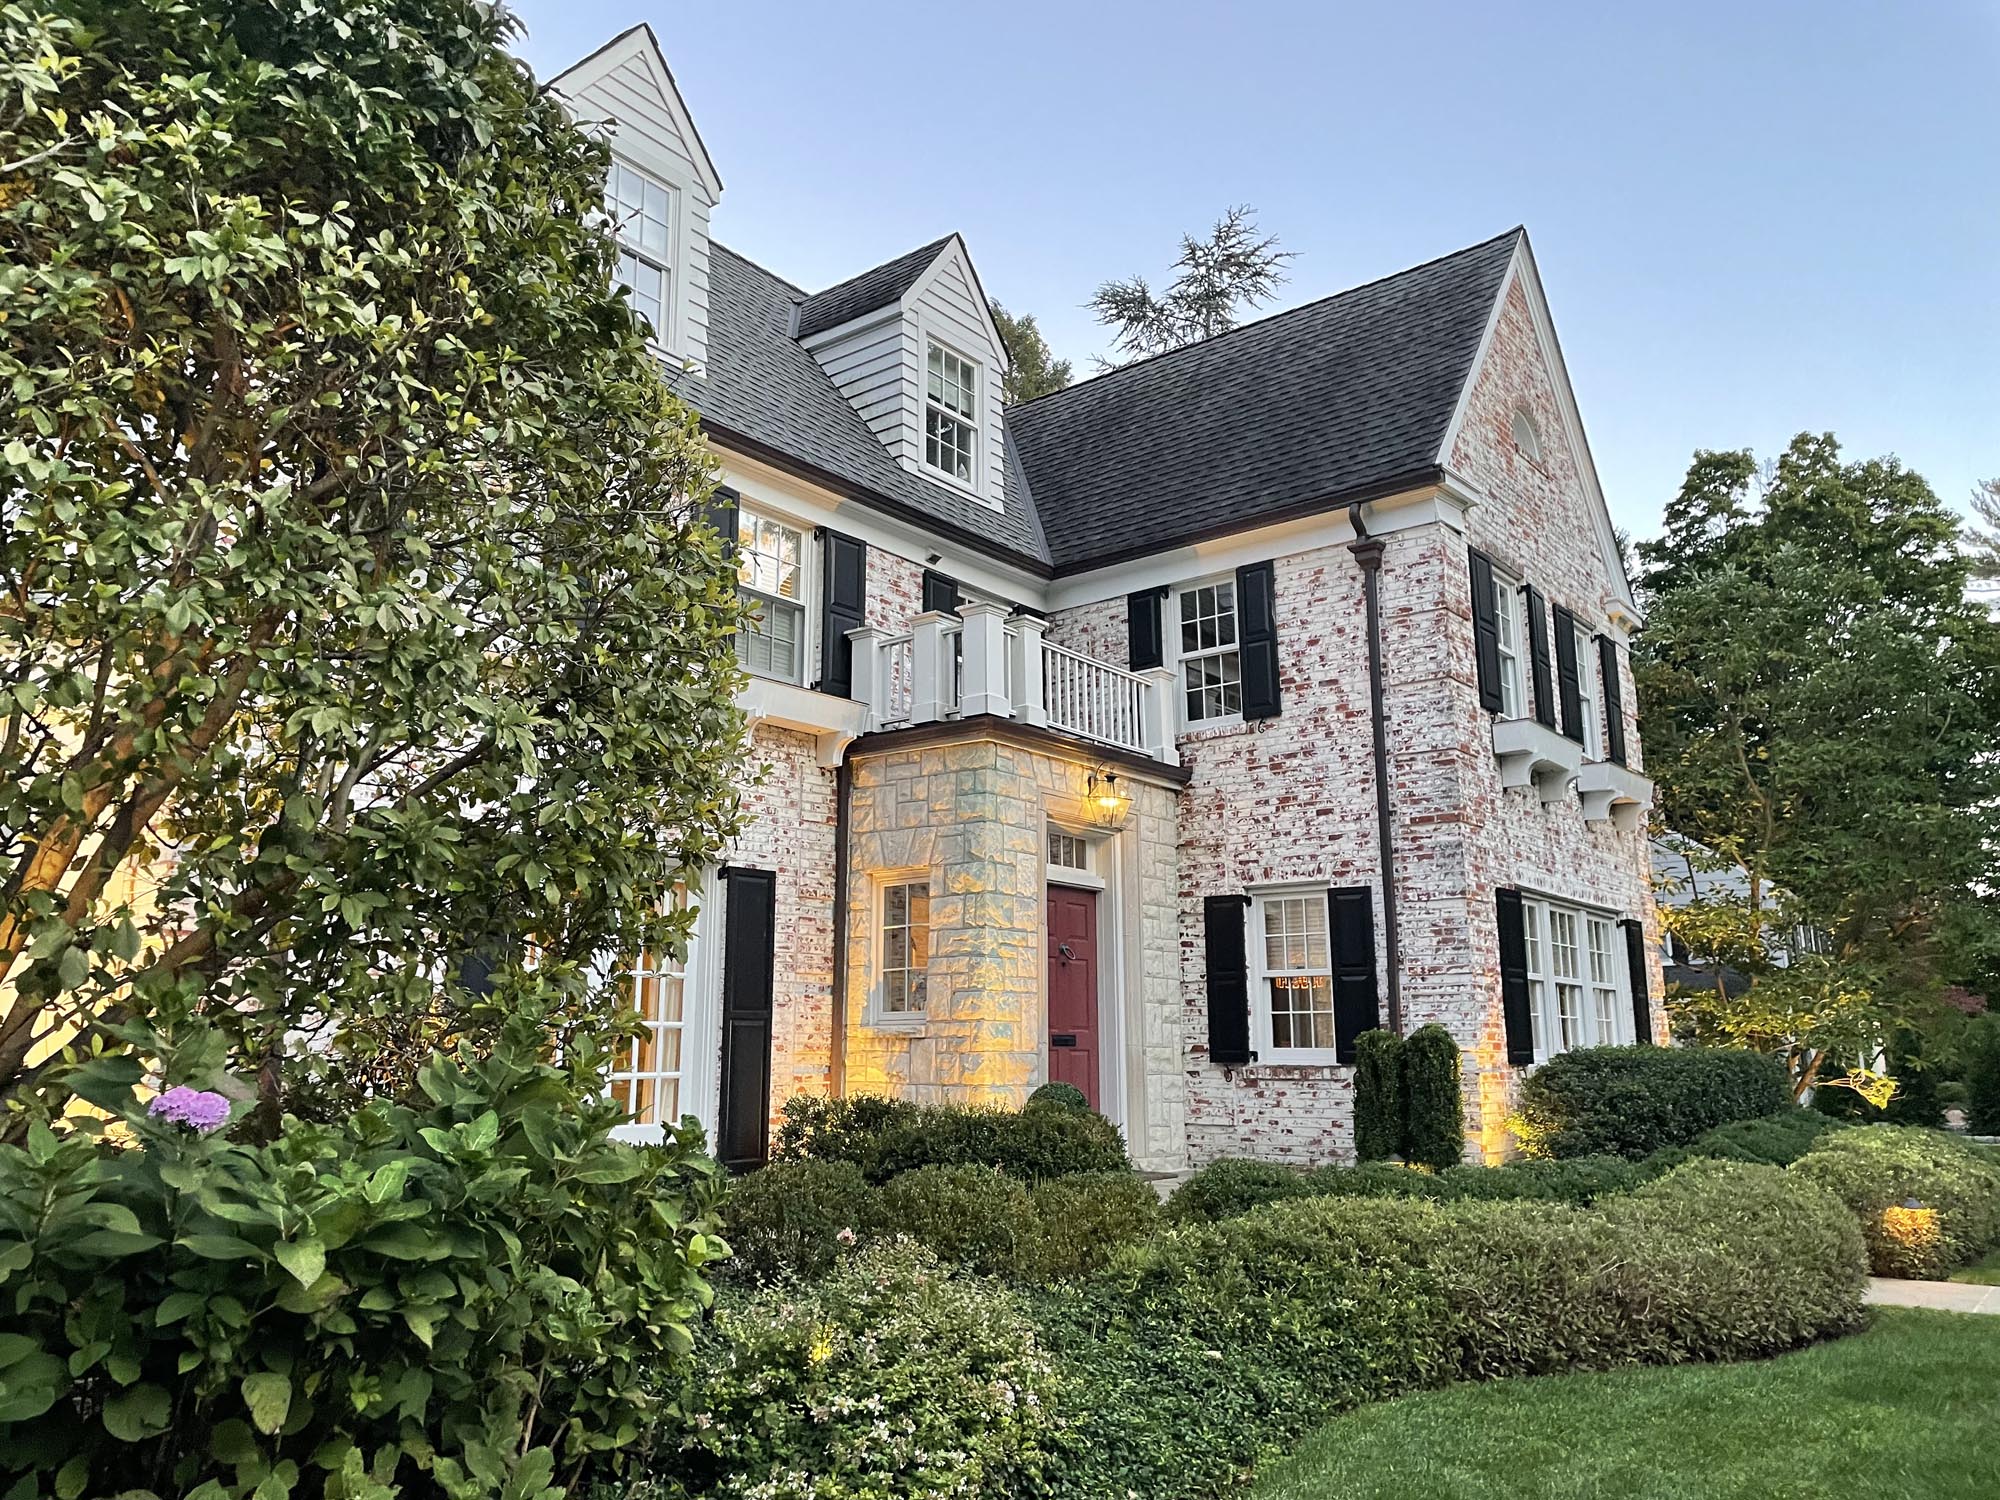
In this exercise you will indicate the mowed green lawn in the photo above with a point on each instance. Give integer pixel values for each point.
(1909, 1408)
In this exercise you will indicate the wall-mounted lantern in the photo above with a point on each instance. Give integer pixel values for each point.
(1104, 801)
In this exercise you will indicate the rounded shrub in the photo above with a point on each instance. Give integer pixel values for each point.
(1378, 1096)
(796, 1218)
(1926, 1203)
(974, 1216)
(1631, 1101)
(886, 1138)
(1580, 1181)
(893, 1376)
(1235, 1185)
(1082, 1220)
(1776, 1141)
(1433, 1103)
(1054, 1095)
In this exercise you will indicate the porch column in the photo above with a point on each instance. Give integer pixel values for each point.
(1158, 705)
(984, 688)
(930, 668)
(1024, 668)
(869, 681)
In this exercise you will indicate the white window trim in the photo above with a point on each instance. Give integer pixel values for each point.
(1082, 877)
(1537, 922)
(1510, 610)
(701, 1021)
(1590, 690)
(1266, 1050)
(1175, 657)
(665, 339)
(808, 585)
(976, 485)
(878, 1016)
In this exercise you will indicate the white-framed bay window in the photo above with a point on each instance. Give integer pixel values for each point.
(1577, 981)
(771, 572)
(903, 947)
(1210, 661)
(642, 211)
(951, 413)
(1291, 960)
(1507, 608)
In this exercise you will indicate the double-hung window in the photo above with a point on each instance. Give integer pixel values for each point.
(906, 946)
(1211, 666)
(951, 414)
(1295, 972)
(1575, 977)
(770, 576)
(1513, 679)
(642, 213)
(1589, 694)
(1603, 981)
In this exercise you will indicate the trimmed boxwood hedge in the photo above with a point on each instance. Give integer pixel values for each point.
(1632, 1101)
(1229, 1188)
(887, 1137)
(1926, 1203)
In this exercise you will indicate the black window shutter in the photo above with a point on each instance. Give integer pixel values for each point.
(1146, 641)
(1568, 675)
(1228, 980)
(844, 599)
(1257, 638)
(1486, 630)
(1614, 700)
(1538, 656)
(940, 594)
(722, 513)
(1640, 970)
(1517, 1002)
(749, 933)
(1356, 1003)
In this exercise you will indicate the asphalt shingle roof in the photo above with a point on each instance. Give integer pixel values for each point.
(763, 386)
(1280, 417)
(847, 300)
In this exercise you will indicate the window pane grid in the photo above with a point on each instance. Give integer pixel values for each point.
(1574, 975)
(1211, 666)
(906, 930)
(951, 413)
(1508, 600)
(1299, 972)
(641, 211)
(1067, 851)
(769, 572)
(646, 1077)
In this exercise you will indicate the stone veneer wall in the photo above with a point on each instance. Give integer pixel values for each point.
(972, 812)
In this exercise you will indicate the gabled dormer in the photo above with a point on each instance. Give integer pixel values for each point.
(912, 345)
(662, 186)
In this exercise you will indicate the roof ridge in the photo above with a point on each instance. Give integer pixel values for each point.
(1519, 230)
(933, 246)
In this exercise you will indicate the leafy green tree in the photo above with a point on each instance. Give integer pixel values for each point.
(1982, 537)
(1820, 703)
(1215, 280)
(359, 618)
(1033, 370)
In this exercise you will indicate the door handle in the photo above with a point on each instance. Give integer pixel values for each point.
(1065, 953)
(1062, 1039)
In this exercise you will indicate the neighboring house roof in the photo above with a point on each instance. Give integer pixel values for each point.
(1340, 399)
(860, 295)
(763, 391)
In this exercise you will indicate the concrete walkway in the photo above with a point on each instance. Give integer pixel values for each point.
(1945, 1296)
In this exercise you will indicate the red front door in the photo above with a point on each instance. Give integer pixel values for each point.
(1073, 989)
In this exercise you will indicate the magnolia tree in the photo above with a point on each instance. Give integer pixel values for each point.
(1822, 709)
(358, 617)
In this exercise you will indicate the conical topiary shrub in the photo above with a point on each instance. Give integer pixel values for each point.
(1433, 1106)
(1378, 1096)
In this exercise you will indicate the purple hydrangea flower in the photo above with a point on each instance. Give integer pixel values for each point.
(197, 1109)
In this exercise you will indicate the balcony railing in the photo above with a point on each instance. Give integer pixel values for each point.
(982, 662)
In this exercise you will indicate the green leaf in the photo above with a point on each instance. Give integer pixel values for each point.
(305, 1259)
(134, 1415)
(219, 1247)
(269, 1397)
(106, 1082)
(73, 1477)
(111, 1244)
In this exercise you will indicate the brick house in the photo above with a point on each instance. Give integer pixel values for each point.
(1159, 735)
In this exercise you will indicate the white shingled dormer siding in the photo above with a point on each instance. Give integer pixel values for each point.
(880, 361)
(625, 89)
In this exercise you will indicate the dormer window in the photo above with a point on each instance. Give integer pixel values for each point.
(1527, 437)
(951, 414)
(642, 211)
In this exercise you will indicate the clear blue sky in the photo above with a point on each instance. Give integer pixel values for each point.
(1751, 217)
